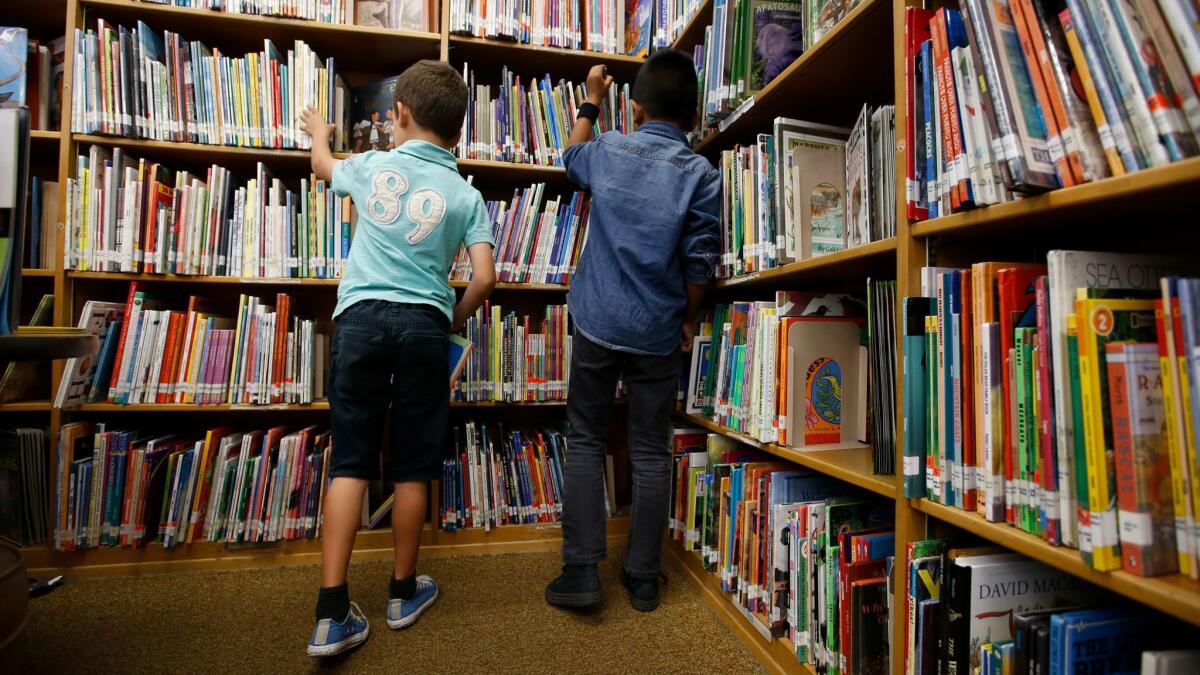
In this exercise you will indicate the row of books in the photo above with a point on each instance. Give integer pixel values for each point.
(496, 476)
(33, 77)
(528, 122)
(987, 610)
(805, 557)
(806, 190)
(41, 245)
(24, 453)
(126, 214)
(321, 11)
(516, 358)
(1031, 95)
(151, 353)
(591, 25)
(537, 240)
(131, 488)
(1057, 398)
(670, 18)
(792, 371)
(139, 83)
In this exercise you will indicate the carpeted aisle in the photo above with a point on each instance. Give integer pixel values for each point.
(489, 617)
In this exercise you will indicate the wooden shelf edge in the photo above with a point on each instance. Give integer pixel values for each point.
(256, 20)
(45, 135)
(800, 268)
(278, 281)
(1176, 594)
(275, 407)
(1099, 192)
(831, 462)
(774, 655)
(37, 272)
(797, 69)
(25, 406)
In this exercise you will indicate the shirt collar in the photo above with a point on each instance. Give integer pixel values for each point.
(665, 130)
(429, 152)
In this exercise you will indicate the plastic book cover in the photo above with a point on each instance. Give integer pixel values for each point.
(778, 39)
(818, 179)
(13, 54)
(372, 115)
(638, 27)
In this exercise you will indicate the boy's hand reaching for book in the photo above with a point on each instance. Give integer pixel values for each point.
(689, 333)
(598, 82)
(314, 125)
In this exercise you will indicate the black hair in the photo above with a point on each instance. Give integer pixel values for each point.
(436, 95)
(666, 86)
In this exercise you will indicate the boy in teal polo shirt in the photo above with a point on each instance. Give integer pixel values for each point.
(390, 349)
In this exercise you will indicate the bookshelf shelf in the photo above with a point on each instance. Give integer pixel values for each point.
(1176, 595)
(486, 55)
(275, 407)
(693, 33)
(1164, 190)
(201, 280)
(25, 406)
(45, 136)
(851, 464)
(828, 83)
(37, 273)
(852, 263)
(374, 50)
(775, 654)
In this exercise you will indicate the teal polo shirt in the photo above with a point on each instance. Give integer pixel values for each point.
(414, 211)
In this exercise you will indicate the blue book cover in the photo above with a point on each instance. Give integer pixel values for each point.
(945, 324)
(931, 150)
(1102, 641)
(778, 37)
(14, 49)
(104, 363)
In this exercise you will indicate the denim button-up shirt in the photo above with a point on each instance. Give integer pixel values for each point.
(653, 225)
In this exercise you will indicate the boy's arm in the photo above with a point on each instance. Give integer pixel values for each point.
(321, 131)
(483, 280)
(699, 248)
(598, 82)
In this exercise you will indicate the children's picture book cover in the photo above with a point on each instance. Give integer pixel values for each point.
(393, 14)
(701, 345)
(638, 27)
(778, 40)
(373, 115)
(13, 52)
(819, 195)
(823, 383)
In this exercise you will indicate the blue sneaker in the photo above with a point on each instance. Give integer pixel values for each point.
(334, 637)
(404, 613)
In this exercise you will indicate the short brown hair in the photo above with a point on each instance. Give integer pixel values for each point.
(436, 95)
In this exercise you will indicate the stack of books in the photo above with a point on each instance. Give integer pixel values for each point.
(152, 354)
(1058, 398)
(516, 358)
(804, 557)
(528, 122)
(537, 241)
(806, 190)
(126, 214)
(139, 83)
(131, 488)
(1074, 93)
(987, 610)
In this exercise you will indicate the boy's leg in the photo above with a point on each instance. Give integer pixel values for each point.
(594, 373)
(420, 423)
(653, 383)
(343, 517)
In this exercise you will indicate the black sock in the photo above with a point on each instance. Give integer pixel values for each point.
(404, 588)
(333, 602)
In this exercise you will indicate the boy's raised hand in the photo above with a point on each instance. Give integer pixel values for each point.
(598, 82)
(314, 125)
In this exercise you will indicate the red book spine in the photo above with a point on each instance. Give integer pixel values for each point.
(916, 31)
(116, 372)
(1020, 14)
(1046, 435)
(947, 105)
(970, 490)
(1124, 459)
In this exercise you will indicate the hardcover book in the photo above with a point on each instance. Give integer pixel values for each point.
(818, 195)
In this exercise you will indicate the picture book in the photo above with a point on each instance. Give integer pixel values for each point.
(372, 115)
(13, 56)
(778, 39)
(638, 27)
(818, 191)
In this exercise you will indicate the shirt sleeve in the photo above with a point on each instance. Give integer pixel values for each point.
(700, 242)
(479, 230)
(348, 174)
(577, 161)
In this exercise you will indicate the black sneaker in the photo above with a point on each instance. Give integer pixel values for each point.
(643, 593)
(578, 587)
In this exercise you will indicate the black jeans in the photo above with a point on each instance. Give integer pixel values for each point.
(653, 382)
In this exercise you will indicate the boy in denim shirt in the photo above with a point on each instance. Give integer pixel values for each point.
(394, 312)
(651, 249)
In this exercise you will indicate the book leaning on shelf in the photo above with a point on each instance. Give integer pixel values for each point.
(132, 215)
(139, 83)
(805, 190)
(803, 556)
(1058, 398)
(1026, 96)
(131, 488)
(153, 353)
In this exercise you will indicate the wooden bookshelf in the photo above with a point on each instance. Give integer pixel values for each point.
(39, 136)
(25, 406)
(776, 655)
(828, 83)
(267, 408)
(852, 464)
(1175, 594)
(486, 56)
(693, 33)
(37, 273)
(204, 280)
(856, 263)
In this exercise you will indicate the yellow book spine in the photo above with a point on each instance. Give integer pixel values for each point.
(193, 365)
(1189, 435)
(1181, 483)
(1086, 400)
(1101, 495)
